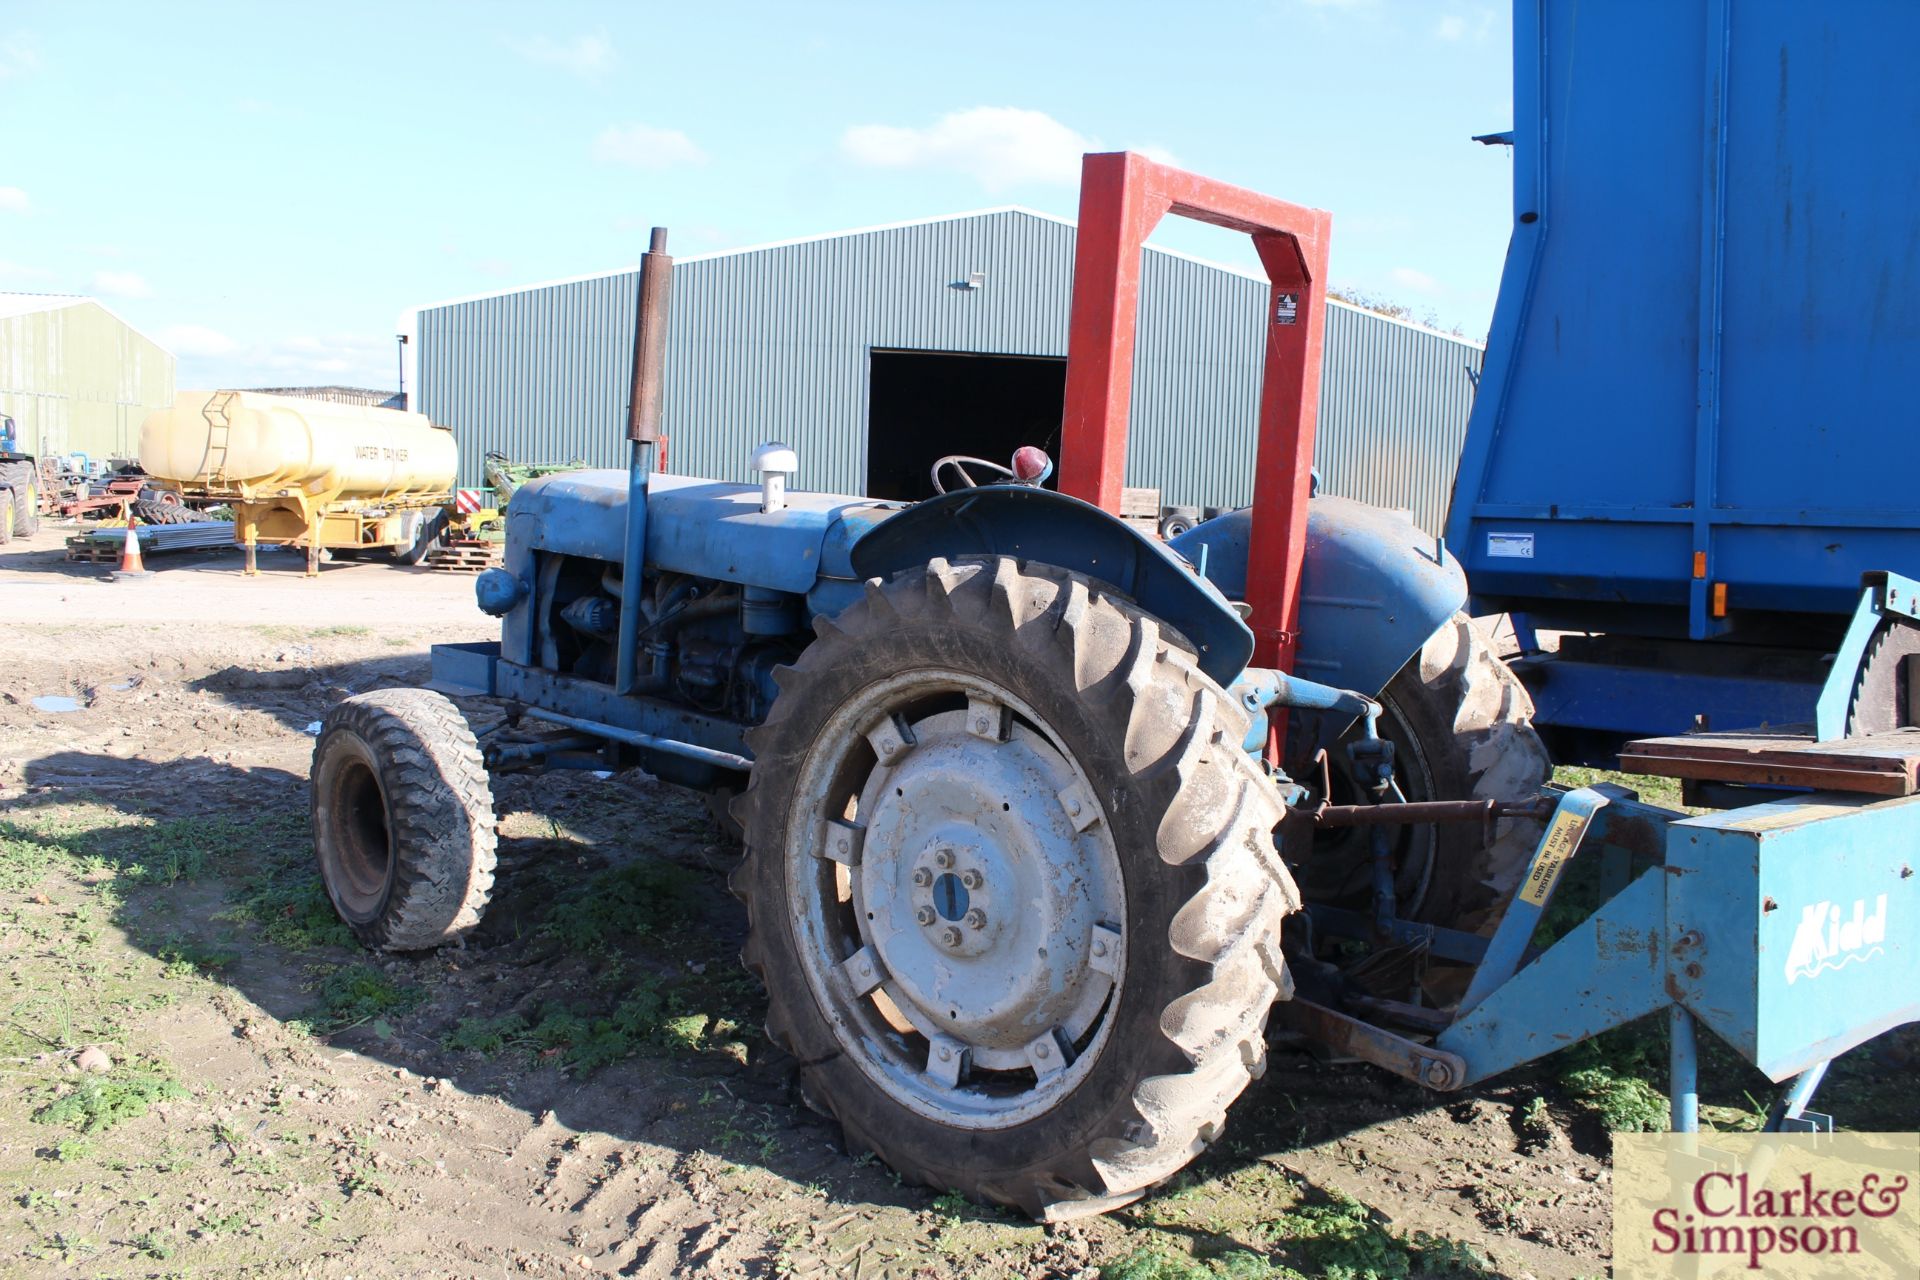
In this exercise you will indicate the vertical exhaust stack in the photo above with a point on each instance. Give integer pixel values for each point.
(650, 343)
(645, 396)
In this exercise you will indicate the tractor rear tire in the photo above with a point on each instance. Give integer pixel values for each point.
(981, 685)
(23, 481)
(6, 516)
(403, 822)
(1462, 726)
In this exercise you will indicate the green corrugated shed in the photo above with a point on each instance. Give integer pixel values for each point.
(76, 378)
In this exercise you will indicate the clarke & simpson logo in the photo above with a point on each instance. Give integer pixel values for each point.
(1826, 941)
(1780, 1205)
(1727, 1216)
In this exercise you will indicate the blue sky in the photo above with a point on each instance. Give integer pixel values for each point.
(266, 187)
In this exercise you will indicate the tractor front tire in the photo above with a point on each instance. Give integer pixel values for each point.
(6, 516)
(403, 822)
(1012, 888)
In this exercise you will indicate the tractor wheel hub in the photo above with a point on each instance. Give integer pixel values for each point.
(983, 893)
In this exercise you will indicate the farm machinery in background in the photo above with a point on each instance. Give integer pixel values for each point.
(1043, 817)
(20, 485)
(337, 479)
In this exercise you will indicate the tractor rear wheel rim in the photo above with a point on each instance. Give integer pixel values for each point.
(959, 899)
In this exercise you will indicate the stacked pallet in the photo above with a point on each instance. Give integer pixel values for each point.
(466, 555)
(103, 546)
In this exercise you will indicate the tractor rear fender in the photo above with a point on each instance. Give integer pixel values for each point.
(1373, 589)
(1052, 528)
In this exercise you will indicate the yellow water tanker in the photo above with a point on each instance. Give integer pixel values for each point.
(307, 472)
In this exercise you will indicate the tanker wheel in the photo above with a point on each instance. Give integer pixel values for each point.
(428, 533)
(24, 482)
(1012, 888)
(403, 823)
(1462, 728)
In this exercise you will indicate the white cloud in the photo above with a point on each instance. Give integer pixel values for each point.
(121, 284)
(196, 340)
(642, 146)
(1418, 281)
(998, 146)
(1456, 27)
(209, 358)
(14, 200)
(21, 271)
(19, 55)
(588, 57)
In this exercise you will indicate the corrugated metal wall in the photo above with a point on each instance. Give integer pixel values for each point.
(76, 378)
(775, 343)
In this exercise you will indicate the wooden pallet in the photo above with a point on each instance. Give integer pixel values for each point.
(1886, 764)
(466, 557)
(86, 549)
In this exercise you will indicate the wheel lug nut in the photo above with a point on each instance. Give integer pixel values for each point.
(971, 879)
(950, 936)
(922, 877)
(924, 915)
(976, 919)
(943, 859)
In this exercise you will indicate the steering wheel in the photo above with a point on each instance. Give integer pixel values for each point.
(960, 461)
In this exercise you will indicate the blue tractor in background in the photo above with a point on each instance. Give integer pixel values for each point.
(1043, 818)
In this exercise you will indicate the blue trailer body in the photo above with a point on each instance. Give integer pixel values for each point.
(1696, 421)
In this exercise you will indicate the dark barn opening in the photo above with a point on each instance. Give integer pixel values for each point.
(927, 404)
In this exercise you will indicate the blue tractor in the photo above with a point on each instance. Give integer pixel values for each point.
(1020, 837)
(1043, 818)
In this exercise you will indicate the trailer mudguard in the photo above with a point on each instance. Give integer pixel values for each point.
(1052, 528)
(1373, 590)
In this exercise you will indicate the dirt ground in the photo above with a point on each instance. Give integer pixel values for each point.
(584, 1088)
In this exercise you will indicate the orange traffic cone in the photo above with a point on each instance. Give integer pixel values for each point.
(130, 565)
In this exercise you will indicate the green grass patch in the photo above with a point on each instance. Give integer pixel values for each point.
(90, 840)
(643, 899)
(1151, 1263)
(1664, 792)
(652, 1015)
(291, 909)
(97, 1103)
(1343, 1239)
(357, 993)
(185, 958)
(1608, 1076)
(279, 632)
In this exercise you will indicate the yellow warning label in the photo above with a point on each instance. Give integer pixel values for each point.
(1563, 837)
